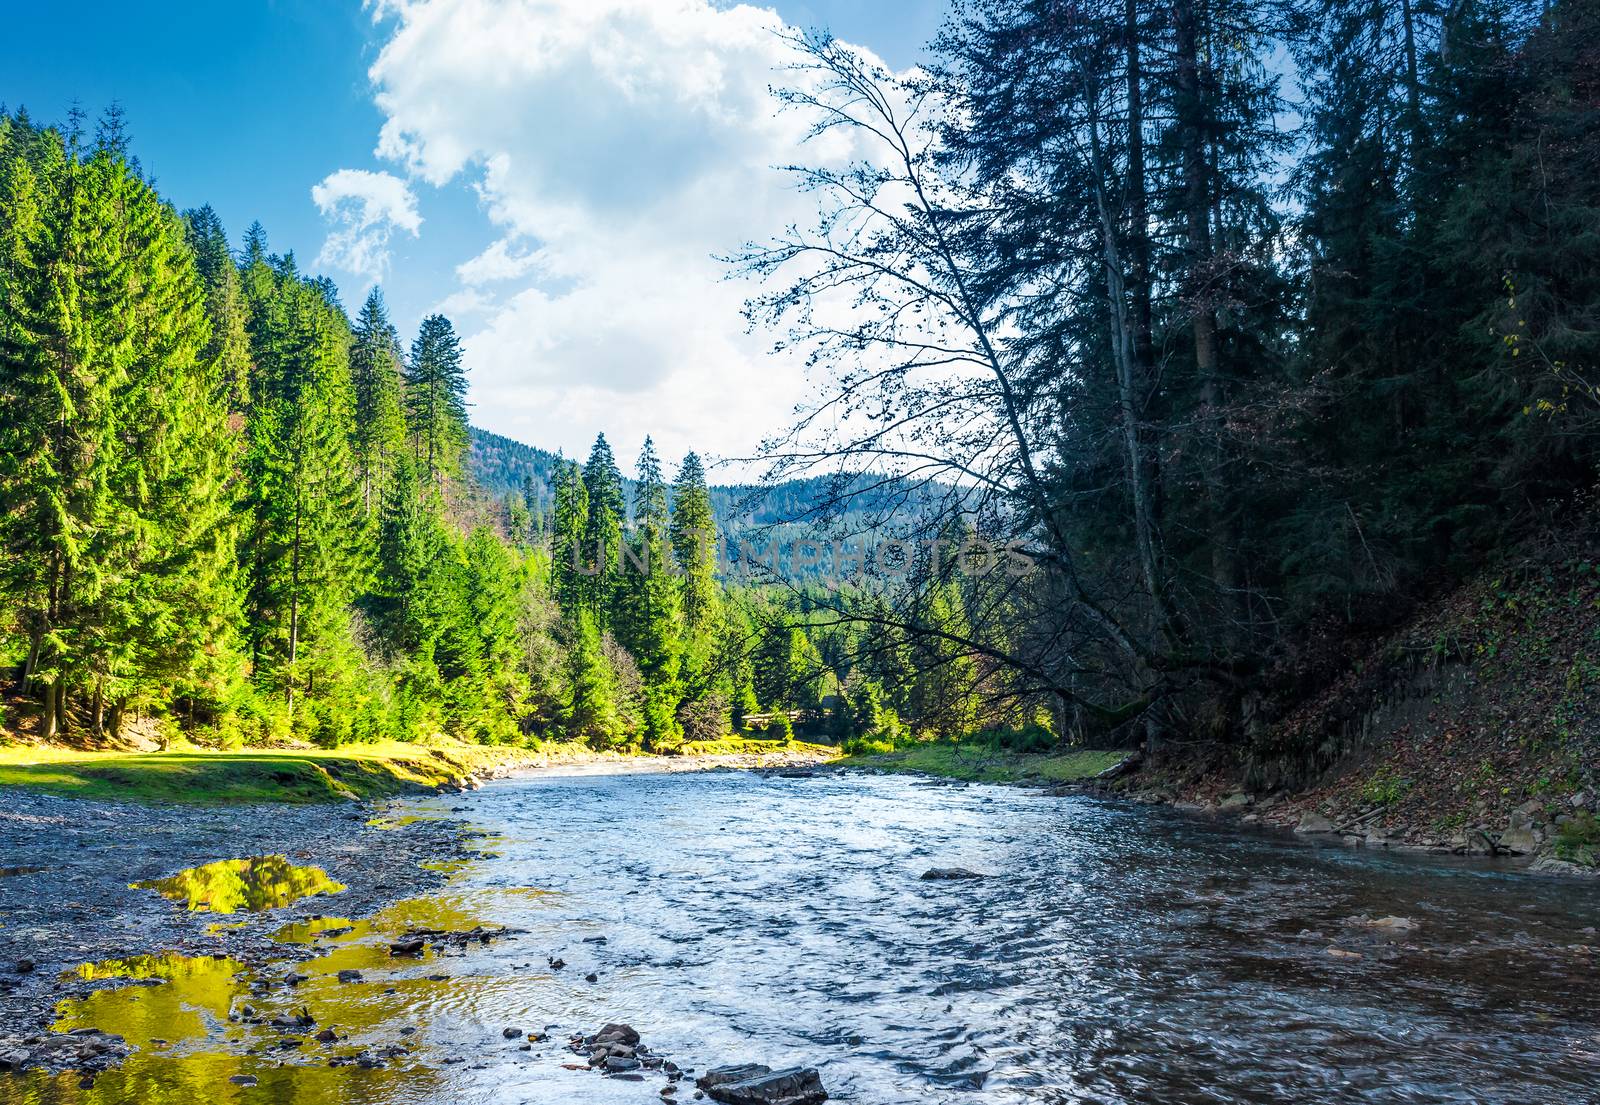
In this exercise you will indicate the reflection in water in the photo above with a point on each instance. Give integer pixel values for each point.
(190, 1000)
(231, 885)
(1116, 956)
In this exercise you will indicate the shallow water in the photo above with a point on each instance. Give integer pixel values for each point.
(234, 885)
(1116, 954)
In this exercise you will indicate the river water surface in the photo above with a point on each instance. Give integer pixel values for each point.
(1113, 954)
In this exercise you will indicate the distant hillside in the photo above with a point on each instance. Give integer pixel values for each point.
(501, 465)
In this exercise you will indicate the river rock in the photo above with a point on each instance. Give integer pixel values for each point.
(942, 874)
(1312, 822)
(1391, 924)
(1238, 800)
(1519, 836)
(348, 975)
(618, 1034)
(410, 947)
(756, 1084)
(512, 1033)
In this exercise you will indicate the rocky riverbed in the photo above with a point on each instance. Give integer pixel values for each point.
(774, 936)
(69, 900)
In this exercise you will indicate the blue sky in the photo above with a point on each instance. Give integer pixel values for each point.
(582, 158)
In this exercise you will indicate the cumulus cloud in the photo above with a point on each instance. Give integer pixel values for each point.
(363, 209)
(618, 146)
(498, 262)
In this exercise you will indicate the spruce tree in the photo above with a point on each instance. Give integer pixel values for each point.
(436, 400)
(694, 545)
(602, 534)
(569, 558)
(113, 496)
(649, 613)
(306, 551)
(379, 418)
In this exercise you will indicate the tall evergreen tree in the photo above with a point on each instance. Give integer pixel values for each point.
(569, 558)
(694, 543)
(436, 399)
(113, 498)
(602, 533)
(305, 549)
(379, 417)
(649, 612)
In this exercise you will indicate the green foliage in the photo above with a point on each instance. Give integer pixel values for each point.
(1578, 841)
(436, 400)
(1385, 787)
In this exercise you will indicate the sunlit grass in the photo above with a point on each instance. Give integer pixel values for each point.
(985, 763)
(201, 777)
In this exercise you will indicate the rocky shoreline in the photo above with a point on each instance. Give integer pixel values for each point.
(1525, 839)
(68, 902)
(73, 904)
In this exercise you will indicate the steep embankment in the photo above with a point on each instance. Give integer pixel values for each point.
(1475, 728)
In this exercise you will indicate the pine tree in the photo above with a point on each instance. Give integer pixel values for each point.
(229, 349)
(569, 559)
(379, 419)
(694, 545)
(591, 713)
(602, 533)
(306, 551)
(436, 400)
(648, 610)
(113, 501)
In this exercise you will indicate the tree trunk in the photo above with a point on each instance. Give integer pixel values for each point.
(1413, 85)
(1199, 261)
(48, 722)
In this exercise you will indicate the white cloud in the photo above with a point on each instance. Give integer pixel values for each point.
(363, 209)
(618, 146)
(495, 263)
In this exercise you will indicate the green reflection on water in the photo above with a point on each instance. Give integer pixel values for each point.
(191, 1002)
(231, 885)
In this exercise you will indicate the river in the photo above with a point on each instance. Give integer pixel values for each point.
(1113, 953)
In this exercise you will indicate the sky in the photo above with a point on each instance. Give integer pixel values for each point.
(556, 176)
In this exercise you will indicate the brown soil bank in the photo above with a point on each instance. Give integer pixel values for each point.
(1474, 728)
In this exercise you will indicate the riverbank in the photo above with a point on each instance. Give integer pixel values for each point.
(1554, 834)
(78, 830)
(982, 763)
(303, 776)
(71, 911)
(195, 776)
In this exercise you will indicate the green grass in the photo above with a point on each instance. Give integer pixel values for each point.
(747, 746)
(237, 778)
(1578, 841)
(981, 763)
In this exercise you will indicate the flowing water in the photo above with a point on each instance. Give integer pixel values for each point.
(1113, 954)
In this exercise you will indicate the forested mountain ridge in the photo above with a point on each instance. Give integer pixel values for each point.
(503, 466)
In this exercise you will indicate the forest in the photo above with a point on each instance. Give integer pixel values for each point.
(234, 512)
(1254, 324)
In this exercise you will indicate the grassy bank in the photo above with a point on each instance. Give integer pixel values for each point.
(201, 777)
(219, 778)
(981, 763)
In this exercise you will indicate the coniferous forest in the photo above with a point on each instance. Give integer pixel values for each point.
(1252, 325)
(1152, 656)
(231, 509)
